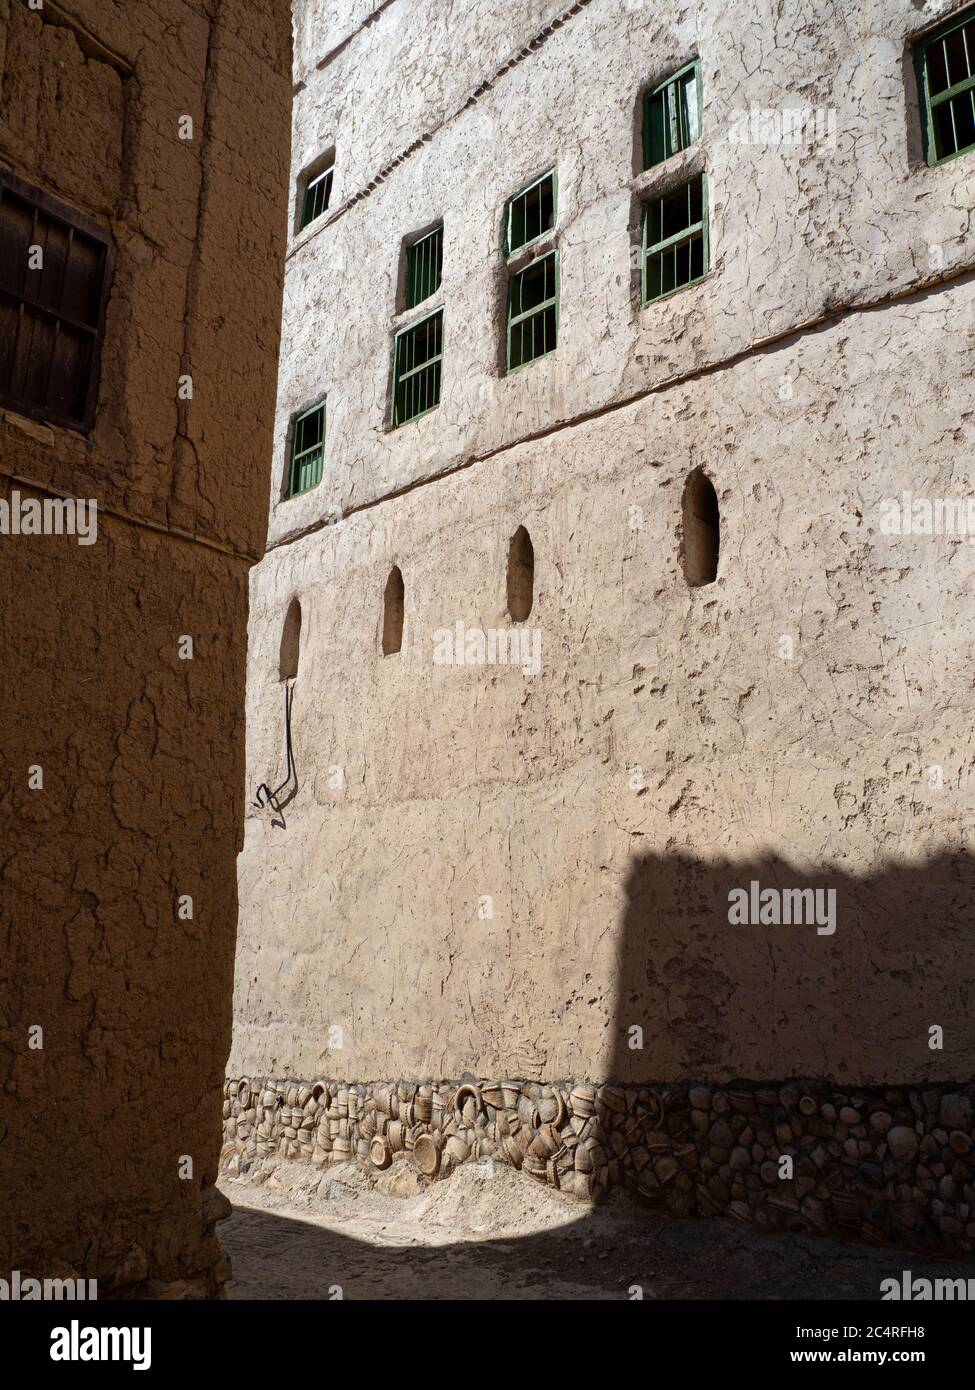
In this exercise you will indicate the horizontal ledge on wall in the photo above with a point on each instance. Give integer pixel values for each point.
(130, 518)
(534, 44)
(773, 341)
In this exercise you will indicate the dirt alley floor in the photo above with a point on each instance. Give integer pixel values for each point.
(491, 1233)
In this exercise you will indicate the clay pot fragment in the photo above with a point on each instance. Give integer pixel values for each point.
(468, 1102)
(545, 1143)
(553, 1173)
(658, 1141)
(534, 1166)
(550, 1108)
(457, 1149)
(583, 1159)
(380, 1152)
(614, 1098)
(582, 1100)
(512, 1151)
(426, 1154)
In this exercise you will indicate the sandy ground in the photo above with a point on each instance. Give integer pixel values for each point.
(492, 1233)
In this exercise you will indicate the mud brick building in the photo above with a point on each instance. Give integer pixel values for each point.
(610, 331)
(144, 151)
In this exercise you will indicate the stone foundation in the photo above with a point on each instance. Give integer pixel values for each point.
(884, 1163)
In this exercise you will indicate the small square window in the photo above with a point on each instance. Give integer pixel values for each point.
(946, 79)
(675, 239)
(531, 213)
(417, 367)
(55, 268)
(533, 311)
(672, 115)
(318, 191)
(424, 267)
(307, 450)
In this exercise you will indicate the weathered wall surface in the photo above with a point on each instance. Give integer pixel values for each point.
(141, 751)
(348, 51)
(795, 230)
(665, 752)
(484, 872)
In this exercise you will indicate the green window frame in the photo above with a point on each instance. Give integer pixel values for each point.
(417, 368)
(675, 250)
(424, 267)
(318, 191)
(945, 62)
(531, 212)
(307, 450)
(673, 115)
(533, 311)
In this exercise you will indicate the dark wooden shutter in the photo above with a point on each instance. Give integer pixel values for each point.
(52, 319)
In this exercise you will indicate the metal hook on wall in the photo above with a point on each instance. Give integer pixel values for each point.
(266, 797)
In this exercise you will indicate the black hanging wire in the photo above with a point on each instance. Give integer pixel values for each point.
(266, 797)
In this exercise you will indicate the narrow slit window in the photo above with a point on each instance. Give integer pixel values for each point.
(533, 311)
(424, 267)
(290, 642)
(318, 193)
(307, 450)
(675, 240)
(417, 368)
(701, 530)
(393, 602)
(946, 77)
(531, 213)
(55, 269)
(672, 115)
(521, 575)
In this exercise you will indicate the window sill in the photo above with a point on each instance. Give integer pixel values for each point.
(685, 164)
(513, 371)
(403, 424)
(679, 289)
(293, 496)
(535, 250)
(408, 318)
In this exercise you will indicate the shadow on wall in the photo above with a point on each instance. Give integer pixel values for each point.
(815, 974)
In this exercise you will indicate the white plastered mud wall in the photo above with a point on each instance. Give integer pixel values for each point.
(669, 747)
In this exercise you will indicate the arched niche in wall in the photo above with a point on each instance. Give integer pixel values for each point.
(393, 600)
(701, 530)
(290, 642)
(521, 575)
